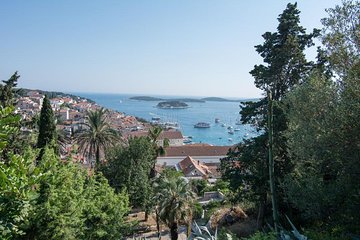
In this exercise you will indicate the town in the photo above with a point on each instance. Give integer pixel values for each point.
(195, 161)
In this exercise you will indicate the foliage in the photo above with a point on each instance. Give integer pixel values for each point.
(19, 178)
(128, 167)
(340, 36)
(7, 91)
(198, 186)
(262, 236)
(284, 67)
(74, 205)
(174, 200)
(47, 127)
(197, 210)
(97, 136)
(323, 131)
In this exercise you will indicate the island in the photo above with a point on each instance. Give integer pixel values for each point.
(172, 105)
(148, 98)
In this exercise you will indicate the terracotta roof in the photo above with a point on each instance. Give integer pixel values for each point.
(196, 150)
(188, 164)
(214, 169)
(171, 135)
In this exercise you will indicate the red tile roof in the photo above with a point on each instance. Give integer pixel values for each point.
(188, 164)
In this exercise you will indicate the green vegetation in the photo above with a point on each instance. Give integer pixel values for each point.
(47, 127)
(128, 168)
(172, 104)
(97, 136)
(174, 203)
(304, 163)
(315, 128)
(42, 197)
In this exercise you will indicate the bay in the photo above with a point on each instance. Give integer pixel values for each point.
(227, 112)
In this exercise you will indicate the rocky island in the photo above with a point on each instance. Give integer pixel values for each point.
(172, 105)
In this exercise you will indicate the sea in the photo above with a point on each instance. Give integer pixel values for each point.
(218, 134)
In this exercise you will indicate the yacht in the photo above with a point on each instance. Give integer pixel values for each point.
(202, 125)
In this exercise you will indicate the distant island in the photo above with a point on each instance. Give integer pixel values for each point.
(218, 99)
(172, 105)
(201, 100)
(155, 99)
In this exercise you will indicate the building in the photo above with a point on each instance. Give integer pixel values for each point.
(193, 168)
(203, 152)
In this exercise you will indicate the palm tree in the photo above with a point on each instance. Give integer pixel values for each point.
(98, 135)
(154, 134)
(174, 200)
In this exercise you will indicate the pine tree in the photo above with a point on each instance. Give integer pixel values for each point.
(47, 128)
(284, 67)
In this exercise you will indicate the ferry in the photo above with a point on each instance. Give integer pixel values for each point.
(202, 125)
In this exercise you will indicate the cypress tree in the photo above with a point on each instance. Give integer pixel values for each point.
(47, 128)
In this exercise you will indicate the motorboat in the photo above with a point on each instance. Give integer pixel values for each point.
(202, 125)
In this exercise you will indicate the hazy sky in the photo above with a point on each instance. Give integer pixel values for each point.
(180, 47)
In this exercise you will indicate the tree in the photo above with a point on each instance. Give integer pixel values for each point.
(47, 127)
(341, 36)
(154, 134)
(98, 135)
(285, 67)
(323, 129)
(7, 91)
(127, 168)
(18, 175)
(174, 200)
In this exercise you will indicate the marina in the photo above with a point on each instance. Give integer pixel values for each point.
(184, 120)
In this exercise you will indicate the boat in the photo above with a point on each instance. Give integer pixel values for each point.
(229, 127)
(230, 139)
(217, 120)
(223, 125)
(187, 139)
(155, 118)
(231, 132)
(236, 129)
(202, 125)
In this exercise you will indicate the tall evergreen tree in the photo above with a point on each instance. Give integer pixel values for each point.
(285, 66)
(47, 127)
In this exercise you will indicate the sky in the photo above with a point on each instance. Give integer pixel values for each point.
(153, 47)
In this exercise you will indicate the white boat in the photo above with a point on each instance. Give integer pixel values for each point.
(230, 139)
(223, 125)
(217, 120)
(230, 128)
(202, 125)
(236, 129)
(231, 132)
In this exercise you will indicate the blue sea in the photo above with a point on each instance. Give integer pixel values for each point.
(227, 112)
